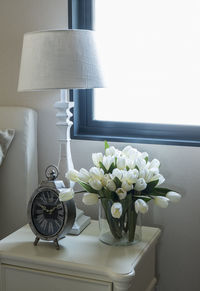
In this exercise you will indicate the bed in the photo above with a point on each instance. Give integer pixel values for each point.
(18, 171)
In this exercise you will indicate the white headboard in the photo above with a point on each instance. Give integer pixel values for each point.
(19, 172)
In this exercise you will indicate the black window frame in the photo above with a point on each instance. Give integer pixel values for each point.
(80, 16)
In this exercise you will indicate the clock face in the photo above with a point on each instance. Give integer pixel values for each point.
(48, 213)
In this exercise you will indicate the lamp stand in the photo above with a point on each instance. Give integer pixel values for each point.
(65, 158)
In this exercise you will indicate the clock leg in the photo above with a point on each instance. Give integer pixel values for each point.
(56, 243)
(36, 241)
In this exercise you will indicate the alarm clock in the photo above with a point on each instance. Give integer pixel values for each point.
(48, 217)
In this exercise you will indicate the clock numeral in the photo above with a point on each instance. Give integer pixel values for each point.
(44, 224)
(43, 198)
(40, 218)
(50, 227)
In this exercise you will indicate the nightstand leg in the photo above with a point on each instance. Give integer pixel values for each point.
(56, 243)
(36, 241)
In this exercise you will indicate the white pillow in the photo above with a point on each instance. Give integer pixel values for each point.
(6, 137)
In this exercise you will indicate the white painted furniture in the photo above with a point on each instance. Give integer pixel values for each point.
(82, 263)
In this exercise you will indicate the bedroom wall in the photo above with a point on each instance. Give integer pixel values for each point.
(178, 254)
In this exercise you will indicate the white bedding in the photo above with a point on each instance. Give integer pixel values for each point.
(18, 173)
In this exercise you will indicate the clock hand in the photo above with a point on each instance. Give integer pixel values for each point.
(44, 207)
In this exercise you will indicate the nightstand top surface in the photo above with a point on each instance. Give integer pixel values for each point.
(84, 252)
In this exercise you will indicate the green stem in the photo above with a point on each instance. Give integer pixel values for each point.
(112, 222)
(132, 218)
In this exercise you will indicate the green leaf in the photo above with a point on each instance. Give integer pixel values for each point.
(112, 167)
(103, 167)
(127, 168)
(146, 159)
(117, 181)
(150, 187)
(87, 187)
(145, 198)
(160, 191)
(106, 145)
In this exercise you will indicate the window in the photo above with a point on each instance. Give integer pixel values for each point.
(155, 69)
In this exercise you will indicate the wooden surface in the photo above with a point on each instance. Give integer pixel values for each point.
(83, 256)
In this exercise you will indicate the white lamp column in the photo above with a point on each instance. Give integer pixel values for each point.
(65, 162)
(64, 125)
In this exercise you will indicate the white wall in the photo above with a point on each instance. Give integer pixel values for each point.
(178, 256)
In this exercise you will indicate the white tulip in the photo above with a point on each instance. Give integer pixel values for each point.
(140, 184)
(96, 158)
(130, 163)
(95, 184)
(66, 194)
(140, 163)
(141, 206)
(121, 163)
(142, 173)
(131, 176)
(126, 186)
(158, 177)
(130, 152)
(105, 179)
(161, 201)
(72, 175)
(83, 175)
(133, 154)
(154, 164)
(173, 196)
(117, 173)
(121, 193)
(116, 210)
(148, 175)
(96, 173)
(90, 198)
(111, 185)
(110, 151)
(144, 155)
(107, 161)
(126, 150)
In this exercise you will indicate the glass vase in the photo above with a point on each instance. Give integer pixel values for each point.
(126, 230)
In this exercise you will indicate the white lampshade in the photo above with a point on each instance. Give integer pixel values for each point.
(59, 59)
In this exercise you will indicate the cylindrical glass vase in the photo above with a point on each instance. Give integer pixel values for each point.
(126, 230)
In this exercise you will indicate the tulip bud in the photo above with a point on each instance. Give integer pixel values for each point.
(83, 175)
(161, 201)
(95, 184)
(140, 184)
(107, 161)
(141, 206)
(96, 173)
(117, 173)
(121, 163)
(110, 151)
(116, 210)
(72, 175)
(96, 158)
(66, 194)
(111, 185)
(121, 193)
(126, 186)
(131, 176)
(90, 198)
(173, 196)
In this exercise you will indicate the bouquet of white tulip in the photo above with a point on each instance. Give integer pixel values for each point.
(125, 181)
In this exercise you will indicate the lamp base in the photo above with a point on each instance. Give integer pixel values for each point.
(80, 223)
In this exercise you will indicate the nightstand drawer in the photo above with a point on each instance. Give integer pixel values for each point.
(23, 279)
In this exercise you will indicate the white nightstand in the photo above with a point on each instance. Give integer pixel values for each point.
(82, 263)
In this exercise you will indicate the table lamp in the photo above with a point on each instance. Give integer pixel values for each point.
(61, 59)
